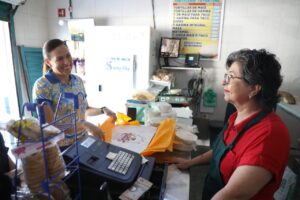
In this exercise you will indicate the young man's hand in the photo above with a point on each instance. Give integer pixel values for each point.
(92, 129)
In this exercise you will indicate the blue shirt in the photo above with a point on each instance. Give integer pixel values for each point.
(50, 88)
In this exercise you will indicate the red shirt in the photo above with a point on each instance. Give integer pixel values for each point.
(266, 144)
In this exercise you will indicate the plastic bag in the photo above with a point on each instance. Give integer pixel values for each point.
(157, 112)
(107, 127)
(287, 185)
(30, 129)
(143, 95)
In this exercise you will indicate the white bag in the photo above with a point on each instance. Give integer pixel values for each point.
(287, 185)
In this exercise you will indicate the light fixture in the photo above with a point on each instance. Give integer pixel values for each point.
(61, 22)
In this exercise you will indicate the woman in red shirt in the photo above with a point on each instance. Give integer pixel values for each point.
(249, 156)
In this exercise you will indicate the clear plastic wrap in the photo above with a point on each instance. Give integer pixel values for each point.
(30, 129)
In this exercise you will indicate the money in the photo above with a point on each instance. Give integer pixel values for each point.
(140, 186)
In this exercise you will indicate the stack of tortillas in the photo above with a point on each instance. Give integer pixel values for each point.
(56, 165)
(34, 173)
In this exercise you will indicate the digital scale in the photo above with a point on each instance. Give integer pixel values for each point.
(173, 97)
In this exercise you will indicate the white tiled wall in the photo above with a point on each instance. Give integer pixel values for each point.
(31, 24)
(270, 24)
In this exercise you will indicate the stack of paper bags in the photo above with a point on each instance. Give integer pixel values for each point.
(163, 139)
(161, 142)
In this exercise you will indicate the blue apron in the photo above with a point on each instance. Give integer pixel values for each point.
(214, 182)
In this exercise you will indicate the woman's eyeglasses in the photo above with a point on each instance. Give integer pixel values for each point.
(228, 77)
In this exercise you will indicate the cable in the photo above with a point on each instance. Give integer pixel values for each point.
(153, 14)
(158, 59)
(195, 89)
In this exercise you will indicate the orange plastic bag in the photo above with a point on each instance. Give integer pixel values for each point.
(163, 138)
(123, 119)
(107, 127)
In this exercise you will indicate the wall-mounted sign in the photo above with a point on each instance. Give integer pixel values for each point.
(198, 23)
(61, 12)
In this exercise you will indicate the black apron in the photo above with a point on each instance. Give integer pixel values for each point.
(213, 181)
(5, 183)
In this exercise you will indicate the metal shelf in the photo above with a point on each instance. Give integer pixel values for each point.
(72, 167)
(182, 68)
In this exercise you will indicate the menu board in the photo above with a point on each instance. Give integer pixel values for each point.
(198, 23)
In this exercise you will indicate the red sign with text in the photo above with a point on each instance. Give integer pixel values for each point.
(61, 12)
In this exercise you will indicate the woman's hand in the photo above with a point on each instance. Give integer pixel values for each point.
(201, 159)
(181, 163)
(109, 113)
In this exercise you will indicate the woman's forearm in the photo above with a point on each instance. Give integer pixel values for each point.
(202, 159)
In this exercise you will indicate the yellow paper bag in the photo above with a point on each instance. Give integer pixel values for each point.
(163, 138)
(123, 119)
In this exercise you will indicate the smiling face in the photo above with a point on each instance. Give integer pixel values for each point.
(60, 61)
(236, 90)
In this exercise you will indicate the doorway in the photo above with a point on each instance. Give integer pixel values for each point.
(8, 93)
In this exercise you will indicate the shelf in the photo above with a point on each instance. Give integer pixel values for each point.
(26, 149)
(54, 175)
(162, 83)
(182, 68)
(292, 109)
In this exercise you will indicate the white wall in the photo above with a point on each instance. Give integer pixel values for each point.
(116, 12)
(270, 24)
(31, 24)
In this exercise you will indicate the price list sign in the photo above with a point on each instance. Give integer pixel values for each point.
(198, 23)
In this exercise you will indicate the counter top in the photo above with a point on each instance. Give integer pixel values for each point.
(293, 109)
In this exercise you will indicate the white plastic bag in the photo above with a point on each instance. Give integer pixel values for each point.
(287, 185)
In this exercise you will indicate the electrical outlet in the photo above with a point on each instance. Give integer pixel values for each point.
(204, 116)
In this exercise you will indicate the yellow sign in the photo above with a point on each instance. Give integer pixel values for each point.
(198, 24)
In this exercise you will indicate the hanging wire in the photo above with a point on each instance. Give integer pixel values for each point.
(71, 9)
(153, 14)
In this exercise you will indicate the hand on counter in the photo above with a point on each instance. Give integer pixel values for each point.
(181, 163)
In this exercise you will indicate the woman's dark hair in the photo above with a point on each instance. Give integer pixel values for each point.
(49, 46)
(259, 67)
